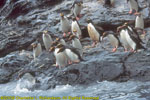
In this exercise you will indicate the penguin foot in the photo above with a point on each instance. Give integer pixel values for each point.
(57, 65)
(69, 33)
(64, 35)
(77, 61)
(77, 18)
(69, 62)
(114, 49)
(130, 12)
(126, 50)
(132, 51)
(94, 44)
(80, 15)
(144, 32)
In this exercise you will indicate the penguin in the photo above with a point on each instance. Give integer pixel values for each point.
(65, 24)
(76, 44)
(109, 2)
(37, 49)
(93, 33)
(76, 8)
(114, 40)
(72, 53)
(75, 26)
(133, 31)
(133, 6)
(47, 40)
(60, 55)
(61, 40)
(139, 22)
(132, 39)
(122, 31)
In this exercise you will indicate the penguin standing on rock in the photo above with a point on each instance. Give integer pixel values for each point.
(65, 25)
(114, 40)
(76, 44)
(93, 33)
(60, 55)
(47, 40)
(122, 32)
(75, 26)
(37, 49)
(76, 8)
(72, 53)
(139, 22)
(132, 38)
(133, 6)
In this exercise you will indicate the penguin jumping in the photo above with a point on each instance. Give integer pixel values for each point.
(65, 25)
(114, 40)
(76, 8)
(37, 49)
(47, 40)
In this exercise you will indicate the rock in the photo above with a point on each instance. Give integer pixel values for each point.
(22, 22)
(11, 64)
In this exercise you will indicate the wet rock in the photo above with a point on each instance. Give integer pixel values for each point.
(11, 64)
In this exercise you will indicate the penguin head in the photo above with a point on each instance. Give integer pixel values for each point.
(89, 20)
(59, 45)
(119, 28)
(104, 35)
(52, 48)
(138, 14)
(128, 1)
(73, 19)
(57, 39)
(61, 49)
(54, 43)
(34, 45)
(79, 3)
(72, 37)
(45, 32)
(61, 15)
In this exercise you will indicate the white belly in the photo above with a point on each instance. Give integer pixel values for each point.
(77, 44)
(114, 42)
(76, 10)
(139, 22)
(94, 35)
(65, 25)
(131, 42)
(47, 40)
(61, 58)
(37, 51)
(75, 26)
(71, 55)
(123, 39)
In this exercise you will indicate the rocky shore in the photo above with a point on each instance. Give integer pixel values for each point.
(23, 21)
